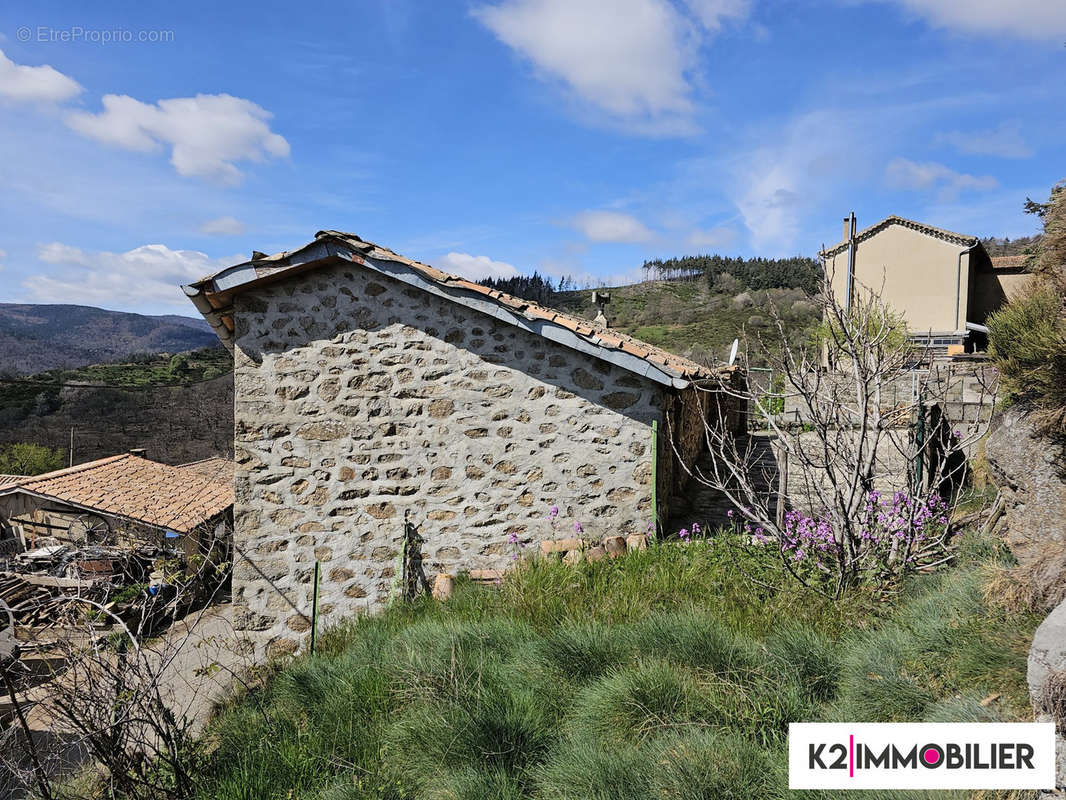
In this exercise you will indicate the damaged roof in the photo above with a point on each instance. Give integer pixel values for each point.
(9, 480)
(960, 239)
(213, 297)
(134, 488)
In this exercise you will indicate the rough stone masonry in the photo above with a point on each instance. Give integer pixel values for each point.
(361, 401)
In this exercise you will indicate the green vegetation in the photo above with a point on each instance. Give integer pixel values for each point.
(798, 272)
(33, 395)
(1028, 337)
(22, 458)
(672, 673)
(694, 320)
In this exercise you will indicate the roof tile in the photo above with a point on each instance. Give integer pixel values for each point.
(177, 498)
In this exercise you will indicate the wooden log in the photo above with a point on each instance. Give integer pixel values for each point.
(486, 575)
(636, 541)
(561, 545)
(442, 586)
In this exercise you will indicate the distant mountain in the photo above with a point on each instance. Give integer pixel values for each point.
(34, 338)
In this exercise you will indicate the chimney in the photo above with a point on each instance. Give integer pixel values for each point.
(600, 300)
(139, 452)
(847, 229)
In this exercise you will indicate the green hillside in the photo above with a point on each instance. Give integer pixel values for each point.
(690, 318)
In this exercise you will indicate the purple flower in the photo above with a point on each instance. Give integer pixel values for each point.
(729, 513)
(695, 528)
(553, 511)
(683, 533)
(513, 538)
(578, 528)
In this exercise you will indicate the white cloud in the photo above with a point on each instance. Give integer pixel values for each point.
(224, 226)
(147, 276)
(42, 84)
(631, 59)
(1005, 141)
(1031, 19)
(475, 268)
(711, 13)
(206, 133)
(902, 173)
(719, 236)
(611, 226)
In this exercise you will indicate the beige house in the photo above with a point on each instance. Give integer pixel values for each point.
(944, 283)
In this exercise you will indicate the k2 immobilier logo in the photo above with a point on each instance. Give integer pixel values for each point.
(921, 755)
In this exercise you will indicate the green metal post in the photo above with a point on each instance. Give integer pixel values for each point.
(314, 606)
(919, 440)
(655, 476)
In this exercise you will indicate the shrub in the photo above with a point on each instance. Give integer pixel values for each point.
(1028, 340)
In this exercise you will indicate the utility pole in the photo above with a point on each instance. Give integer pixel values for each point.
(71, 450)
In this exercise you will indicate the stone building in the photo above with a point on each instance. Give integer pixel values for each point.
(372, 391)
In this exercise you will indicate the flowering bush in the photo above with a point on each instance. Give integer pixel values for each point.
(896, 532)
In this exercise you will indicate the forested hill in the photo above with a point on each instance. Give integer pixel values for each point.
(694, 305)
(34, 338)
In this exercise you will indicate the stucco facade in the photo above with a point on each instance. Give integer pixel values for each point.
(937, 279)
(361, 401)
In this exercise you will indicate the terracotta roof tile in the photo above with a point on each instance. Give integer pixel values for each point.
(177, 498)
(277, 265)
(10, 480)
(1009, 262)
(960, 239)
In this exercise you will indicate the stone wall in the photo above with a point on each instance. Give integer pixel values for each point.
(1030, 471)
(360, 400)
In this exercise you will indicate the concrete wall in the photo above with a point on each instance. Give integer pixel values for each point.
(919, 275)
(359, 400)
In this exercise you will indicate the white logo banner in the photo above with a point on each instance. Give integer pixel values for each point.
(925, 755)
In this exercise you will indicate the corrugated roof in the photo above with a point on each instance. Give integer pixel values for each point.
(134, 488)
(961, 239)
(213, 296)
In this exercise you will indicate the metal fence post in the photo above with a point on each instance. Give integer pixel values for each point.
(655, 477)
(314, 606)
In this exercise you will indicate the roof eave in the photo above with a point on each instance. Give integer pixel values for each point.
(241, 276)
(10, 490)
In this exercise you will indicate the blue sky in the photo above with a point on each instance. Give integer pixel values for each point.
(575, 137)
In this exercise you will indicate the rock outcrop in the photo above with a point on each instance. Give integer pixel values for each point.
(1031, 473)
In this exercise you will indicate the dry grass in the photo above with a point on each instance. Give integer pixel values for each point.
(1039, 585)
(1053, 700)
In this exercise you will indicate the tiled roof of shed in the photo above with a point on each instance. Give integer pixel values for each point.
(219, 292)
(134, 488)
(9, 480)
(216, 468)
(1009, 262)
(961, 239)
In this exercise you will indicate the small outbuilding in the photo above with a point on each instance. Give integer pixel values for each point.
(124, 500)
(378, 400)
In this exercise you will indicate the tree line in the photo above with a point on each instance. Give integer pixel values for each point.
(754, 273)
